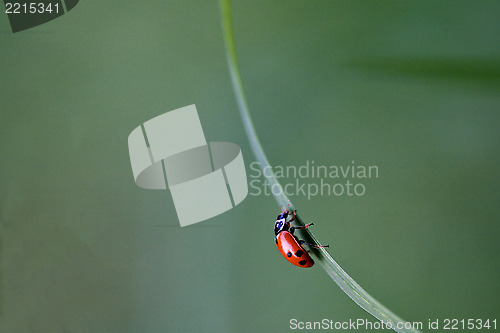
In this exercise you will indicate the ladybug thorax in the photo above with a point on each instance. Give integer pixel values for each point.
(281, 225)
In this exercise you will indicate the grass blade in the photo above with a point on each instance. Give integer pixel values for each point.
(338, 275)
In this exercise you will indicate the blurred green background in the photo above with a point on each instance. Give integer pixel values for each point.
(412, 87)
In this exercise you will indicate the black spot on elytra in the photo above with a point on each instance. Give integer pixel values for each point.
(302, 262)
(289, 254)
(299, 253)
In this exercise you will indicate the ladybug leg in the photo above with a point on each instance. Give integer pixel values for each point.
(313, 245)
(294, 214)
(292, 229)
(304, 226)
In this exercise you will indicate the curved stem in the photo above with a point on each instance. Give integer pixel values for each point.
(232, 62)
(341, 278)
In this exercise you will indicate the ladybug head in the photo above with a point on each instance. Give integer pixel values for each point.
(283, 215)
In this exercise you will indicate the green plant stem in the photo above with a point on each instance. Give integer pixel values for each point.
(232, 61)
(341, 278)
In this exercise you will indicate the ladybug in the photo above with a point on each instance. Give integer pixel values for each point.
(288, 244)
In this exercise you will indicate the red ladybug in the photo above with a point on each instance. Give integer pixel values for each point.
(288, 244)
